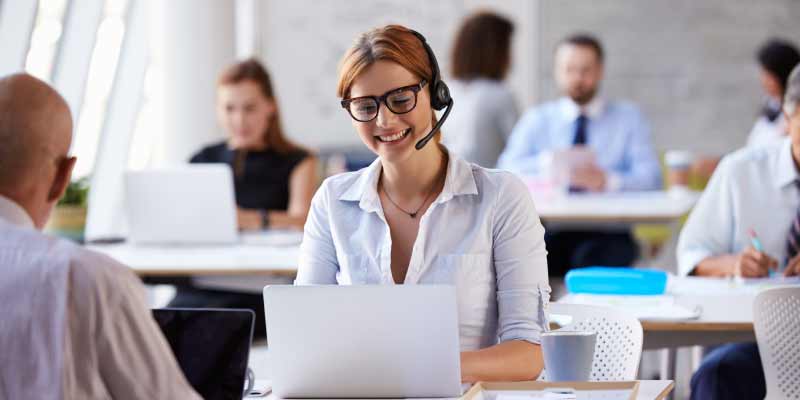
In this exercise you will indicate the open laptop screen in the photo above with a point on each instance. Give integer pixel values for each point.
(212, 347)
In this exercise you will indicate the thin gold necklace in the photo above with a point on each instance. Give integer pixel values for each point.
(415, 212)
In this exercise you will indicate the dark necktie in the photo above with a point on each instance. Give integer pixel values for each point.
(793, 239)
(580, 130)
(579, 139)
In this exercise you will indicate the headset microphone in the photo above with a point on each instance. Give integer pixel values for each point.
(440, 93)
(422, 142)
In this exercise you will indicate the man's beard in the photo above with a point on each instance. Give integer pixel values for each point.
(582, 97)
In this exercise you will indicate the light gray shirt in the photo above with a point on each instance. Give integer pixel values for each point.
(75, 324)
(484, 113)
(752, 188)
(481, 234)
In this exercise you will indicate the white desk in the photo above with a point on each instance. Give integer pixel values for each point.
(601, 210)
(726, 317)
(648, 390)
(251, 257)
(616, 208)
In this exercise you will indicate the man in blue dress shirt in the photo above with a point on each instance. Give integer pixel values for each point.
(746, 223)
(615, 132)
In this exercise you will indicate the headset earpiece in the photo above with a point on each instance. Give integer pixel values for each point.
(440, 93)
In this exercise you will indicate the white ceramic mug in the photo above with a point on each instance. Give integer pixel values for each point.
(568, 355)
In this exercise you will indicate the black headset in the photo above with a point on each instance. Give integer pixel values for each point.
(440, 93)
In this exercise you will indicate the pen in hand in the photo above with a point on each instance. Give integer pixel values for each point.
(756, 243)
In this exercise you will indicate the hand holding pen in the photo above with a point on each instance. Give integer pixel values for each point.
(753, 262)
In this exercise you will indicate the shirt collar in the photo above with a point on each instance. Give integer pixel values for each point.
(458, 180)
(785, 171)
(14, 214)
(570, 109)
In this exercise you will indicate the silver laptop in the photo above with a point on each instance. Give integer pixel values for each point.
(190, 204)
(363, 341)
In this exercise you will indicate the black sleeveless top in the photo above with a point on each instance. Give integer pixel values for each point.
(264, 181)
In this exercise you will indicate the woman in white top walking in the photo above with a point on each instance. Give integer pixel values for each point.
(419, 215)
(486, 112)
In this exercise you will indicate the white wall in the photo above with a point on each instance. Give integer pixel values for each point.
(304, 40)
(690, 65)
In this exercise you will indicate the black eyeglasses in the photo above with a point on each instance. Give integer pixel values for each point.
(399, 101)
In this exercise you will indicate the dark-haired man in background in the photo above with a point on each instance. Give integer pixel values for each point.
(614, 133)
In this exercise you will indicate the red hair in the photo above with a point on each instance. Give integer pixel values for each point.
(394, 43)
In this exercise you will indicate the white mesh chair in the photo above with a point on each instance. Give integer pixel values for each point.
(776, 318)
(619, 339)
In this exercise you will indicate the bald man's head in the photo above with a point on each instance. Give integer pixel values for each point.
(35, 133)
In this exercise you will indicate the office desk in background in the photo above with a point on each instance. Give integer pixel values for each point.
(621, 209)
(268, 253)
(615, 208)
(725, 316)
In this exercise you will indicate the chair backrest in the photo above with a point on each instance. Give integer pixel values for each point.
(776, 318)
(619, 339)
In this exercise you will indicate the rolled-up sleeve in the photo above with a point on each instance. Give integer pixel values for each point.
(318, 263)
(520, 262)
(709, 229)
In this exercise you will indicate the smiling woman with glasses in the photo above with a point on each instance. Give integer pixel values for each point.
(419, 215)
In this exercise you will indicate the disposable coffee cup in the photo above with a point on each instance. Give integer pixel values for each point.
(678, 162)
(568, 355)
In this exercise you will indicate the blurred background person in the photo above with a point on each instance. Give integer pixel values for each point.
(274, 179)
(612, 140)
(776, 58)
(485, 111)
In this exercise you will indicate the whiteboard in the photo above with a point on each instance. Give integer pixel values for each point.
(304, 40)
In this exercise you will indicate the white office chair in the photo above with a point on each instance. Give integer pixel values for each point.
(619, 339)
(776, 318)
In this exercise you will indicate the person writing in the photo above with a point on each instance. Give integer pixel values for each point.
(274, 180)
(75, 323)
(746, 223)
(421, 215)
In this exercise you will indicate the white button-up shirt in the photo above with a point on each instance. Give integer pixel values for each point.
(752, 188)
(75, 324)
(481, 234)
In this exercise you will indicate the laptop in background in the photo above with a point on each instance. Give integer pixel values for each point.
(363, 341)
(190, 204)
(212, 347)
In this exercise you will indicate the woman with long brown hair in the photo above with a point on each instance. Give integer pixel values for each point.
(274, 179)
(487, 111)
(420, 215)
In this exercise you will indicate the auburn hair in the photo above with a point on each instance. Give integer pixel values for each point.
(393, 43)
(254, 71)
(482, 48)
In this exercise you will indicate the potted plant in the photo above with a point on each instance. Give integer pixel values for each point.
(68, 218)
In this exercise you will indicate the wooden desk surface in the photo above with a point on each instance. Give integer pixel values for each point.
(694, 326)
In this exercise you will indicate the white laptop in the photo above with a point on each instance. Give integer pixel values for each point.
(373, 341)
(189, 204)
